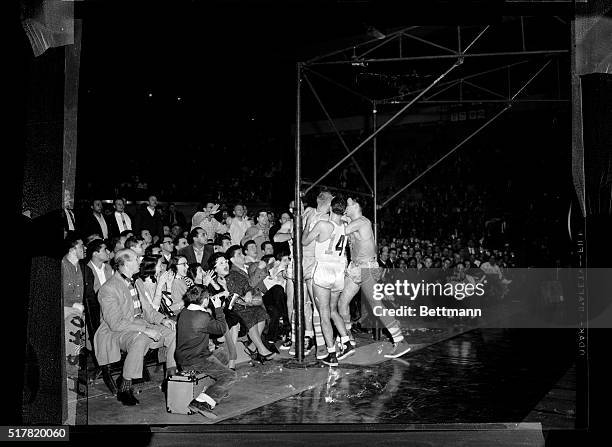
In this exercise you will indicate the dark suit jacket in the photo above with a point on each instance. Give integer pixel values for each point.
(77, 226)
(144, 220)
(90, 296)
(90, 225)
(113, 228)
(189, 254)
(178, 218)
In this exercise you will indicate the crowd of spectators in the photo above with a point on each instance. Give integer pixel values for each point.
(138, 277)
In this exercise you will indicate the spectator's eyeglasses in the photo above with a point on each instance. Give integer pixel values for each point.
(182, 263)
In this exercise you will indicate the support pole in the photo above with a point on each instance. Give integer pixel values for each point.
(377, 330)
(298, 295)
(375, 177)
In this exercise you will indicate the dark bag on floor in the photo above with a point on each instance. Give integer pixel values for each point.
(183, 388)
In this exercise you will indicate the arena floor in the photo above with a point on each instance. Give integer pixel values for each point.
(479, 376)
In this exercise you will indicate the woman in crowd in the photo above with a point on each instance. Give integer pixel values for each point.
(175, 284)
(248, 303)
(149, 276)
(218, 287)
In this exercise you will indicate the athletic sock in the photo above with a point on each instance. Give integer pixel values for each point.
(331, 350)
(203, 397)
(126, 384)
(316, 324)
(344, 339)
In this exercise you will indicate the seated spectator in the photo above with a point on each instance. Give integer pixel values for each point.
(199, 250)
(148, 276)
(218, 287)
(153, 250)
(135, 243)
(167, 248)
(96, 273)
(222, 243)
(393, 257)
(176, 231)
(180, 243)
(248, 304)
(130, 324)
(267, 248)
(383, 258)
(271, 286)
(194, 326)
(165, 230)
(72, 276)
(92, 237)
(178, 282)
(125, 235)
(250, 252)
(145, 234)
(258, 232)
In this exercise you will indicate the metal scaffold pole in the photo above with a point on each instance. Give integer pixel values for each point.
(375, 180)
(298, 296)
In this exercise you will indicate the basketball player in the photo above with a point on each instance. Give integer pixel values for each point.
(363, 272)
(311, 217)
(311, 315)
(328, 275)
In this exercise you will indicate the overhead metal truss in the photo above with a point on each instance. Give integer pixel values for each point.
(394, 49)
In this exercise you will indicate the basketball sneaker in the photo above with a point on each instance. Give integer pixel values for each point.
(331, 359)
(347, 349)
(399, 349)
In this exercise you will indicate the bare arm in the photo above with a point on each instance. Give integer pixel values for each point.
(285, 233)
(309, 236)
(353, 226)
(282, 237)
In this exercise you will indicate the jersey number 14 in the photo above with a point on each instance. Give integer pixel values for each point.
(339, 246)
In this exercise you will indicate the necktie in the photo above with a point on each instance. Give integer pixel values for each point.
(71, 216)
(123, 220)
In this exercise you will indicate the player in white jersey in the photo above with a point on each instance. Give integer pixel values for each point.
(328, 276)
(308, 262)
(311, 315)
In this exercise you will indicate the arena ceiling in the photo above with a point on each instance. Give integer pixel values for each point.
(203, 60)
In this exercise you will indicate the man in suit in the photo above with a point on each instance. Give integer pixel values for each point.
(130, 324)
(174, 217)
(199, 251)
(258, 232)
(120, 221)
(68, 214)
(95, 274)
(95, 222)
(149, 218)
